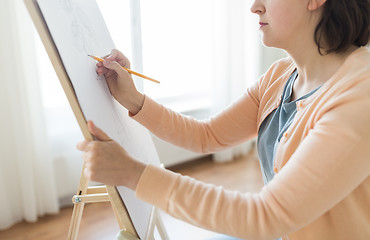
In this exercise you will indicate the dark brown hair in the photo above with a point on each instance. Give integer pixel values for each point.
(344, 23)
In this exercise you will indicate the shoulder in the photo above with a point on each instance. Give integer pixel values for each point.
(355, 72)
(358, 65)
(362, 56)
(350, 86)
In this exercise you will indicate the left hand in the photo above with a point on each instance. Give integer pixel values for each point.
(107, 162)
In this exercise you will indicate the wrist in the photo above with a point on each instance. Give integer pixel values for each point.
(138, 171)
(133, 102)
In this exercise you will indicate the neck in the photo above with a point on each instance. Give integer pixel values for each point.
(315, 69)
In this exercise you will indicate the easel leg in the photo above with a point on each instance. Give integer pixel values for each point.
(75, 221)
(160, 226)
(150, 232)
(120, 211)
(78, 208)
(124, 235)
(156, 222)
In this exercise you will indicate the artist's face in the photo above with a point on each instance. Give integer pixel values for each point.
(284, 23)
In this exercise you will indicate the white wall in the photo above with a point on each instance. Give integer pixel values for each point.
(268, 56)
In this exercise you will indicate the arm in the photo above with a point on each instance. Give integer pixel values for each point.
(327, 166)
(234, 125)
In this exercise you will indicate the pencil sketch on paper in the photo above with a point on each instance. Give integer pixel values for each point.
(84, 41)
(81, 30)
(78, 29)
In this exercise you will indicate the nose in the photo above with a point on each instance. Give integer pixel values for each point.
(257, 7)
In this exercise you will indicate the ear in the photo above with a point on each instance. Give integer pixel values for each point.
(315, 4)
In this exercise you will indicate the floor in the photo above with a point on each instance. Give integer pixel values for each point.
(98, 222)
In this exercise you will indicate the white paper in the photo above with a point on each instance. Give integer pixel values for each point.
(78, 29)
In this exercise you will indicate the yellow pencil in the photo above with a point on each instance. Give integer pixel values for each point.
(128, 70)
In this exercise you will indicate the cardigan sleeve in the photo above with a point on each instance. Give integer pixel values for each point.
(236, 124)
(331, 161)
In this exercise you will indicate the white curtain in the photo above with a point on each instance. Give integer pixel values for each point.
(27, 185)
(236, 59)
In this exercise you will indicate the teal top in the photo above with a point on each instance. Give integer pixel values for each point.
(274, 126)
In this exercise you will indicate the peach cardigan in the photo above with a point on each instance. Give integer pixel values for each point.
(322, 187)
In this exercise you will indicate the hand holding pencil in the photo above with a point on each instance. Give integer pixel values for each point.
(128, 70)
(119, 80)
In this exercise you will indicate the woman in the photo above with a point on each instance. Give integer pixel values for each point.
(310, 112)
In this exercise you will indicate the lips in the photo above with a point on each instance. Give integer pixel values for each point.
(262, 24)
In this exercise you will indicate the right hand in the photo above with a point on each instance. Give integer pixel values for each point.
(120, 82)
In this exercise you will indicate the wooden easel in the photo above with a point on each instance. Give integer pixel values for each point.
(87, 194)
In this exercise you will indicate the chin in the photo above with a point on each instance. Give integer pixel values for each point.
(269, 42)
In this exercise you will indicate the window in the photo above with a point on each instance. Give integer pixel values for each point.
(177, 50)
(176, 38)
(116, 15)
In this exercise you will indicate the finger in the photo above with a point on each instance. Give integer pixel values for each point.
(115, 53)
(112, 55)
(82, 145)
(110, 74)
(113, 65)
(104, 70)
(87, 156)
(101, 70)
(97, 132)
(119, 57)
